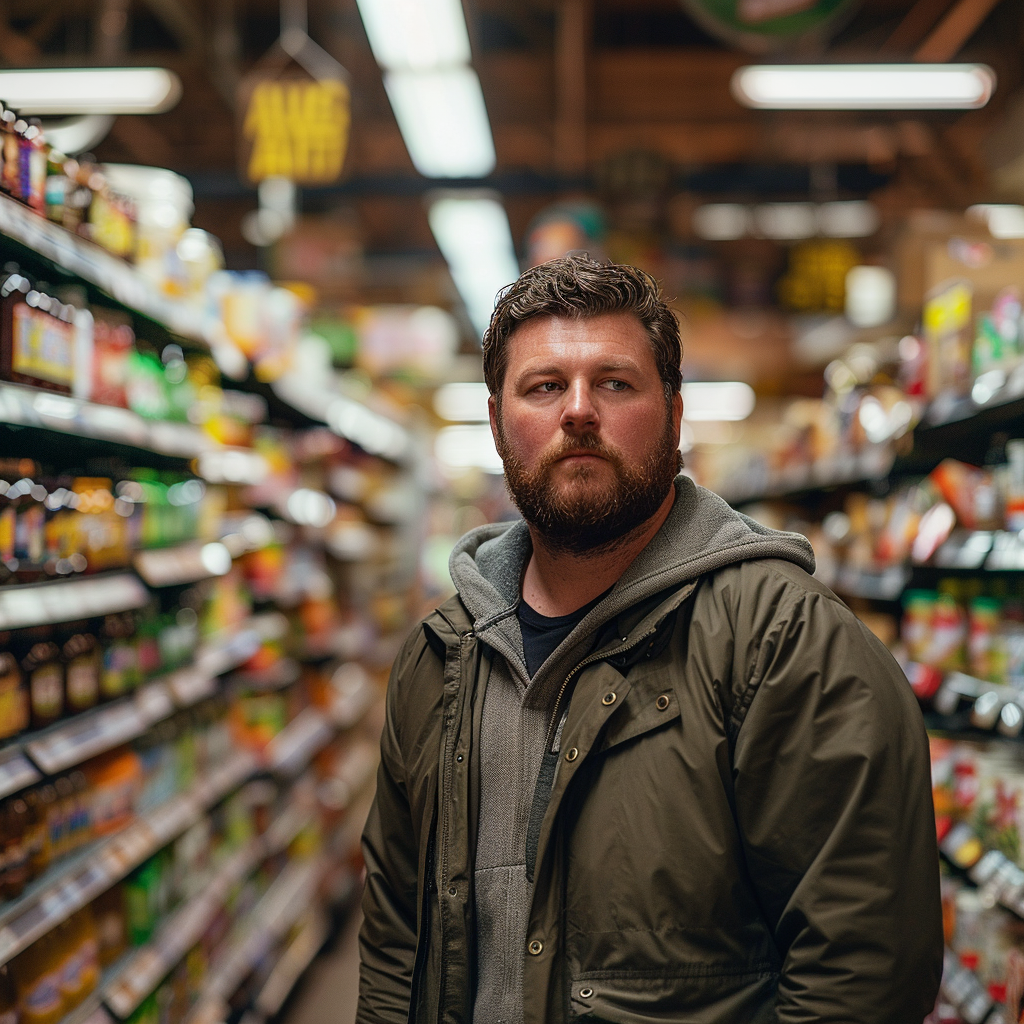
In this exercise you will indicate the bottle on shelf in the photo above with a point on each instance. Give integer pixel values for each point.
(44, 672)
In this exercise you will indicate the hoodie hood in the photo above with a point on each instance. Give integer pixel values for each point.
(701, 534)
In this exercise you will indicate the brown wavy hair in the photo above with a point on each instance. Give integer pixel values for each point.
(577, 287)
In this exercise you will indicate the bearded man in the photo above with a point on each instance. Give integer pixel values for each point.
(643, 767)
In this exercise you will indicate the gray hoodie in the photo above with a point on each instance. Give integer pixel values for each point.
(701, 534)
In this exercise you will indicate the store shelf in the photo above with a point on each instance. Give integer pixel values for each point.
(282, 673)
(267, 924)
(25, 406)
(289, 968)
(878, 585)
(151, 963)
(91, 1010)
(348, 642)
(69, 743)
(233, 647)
(79, 880)
(95, 265)
(16, 771)
(44, 604)
(873, 463)
(184, 563)
(295, 745)
(965, 992)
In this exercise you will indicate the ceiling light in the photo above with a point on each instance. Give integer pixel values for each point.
(853, 219)
(720, 401)
(1004, 220)
(416, 34)
(870, 296)
(462, 402)
(864, 86)
(474, 237)
(467, 447)
(786, 220)
(443, 121)
(90, 90)
(721, 222)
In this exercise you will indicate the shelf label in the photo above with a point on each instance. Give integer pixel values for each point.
(85, 737)
(16, 772)
(154, 702)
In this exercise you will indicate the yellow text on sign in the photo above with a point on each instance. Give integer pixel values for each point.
(299, 130)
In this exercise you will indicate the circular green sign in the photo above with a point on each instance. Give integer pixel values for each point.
(760, 25)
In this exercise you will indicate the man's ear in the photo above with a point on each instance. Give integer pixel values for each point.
(677, 415)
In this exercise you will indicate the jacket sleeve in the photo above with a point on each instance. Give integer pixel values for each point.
(387, 939)
(833, 798)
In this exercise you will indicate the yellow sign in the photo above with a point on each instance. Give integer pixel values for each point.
(296, 128)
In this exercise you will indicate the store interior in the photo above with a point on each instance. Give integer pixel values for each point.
(249, 250)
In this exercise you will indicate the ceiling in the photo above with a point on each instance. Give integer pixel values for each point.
(624, 99)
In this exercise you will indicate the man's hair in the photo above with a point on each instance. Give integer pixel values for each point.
(577, 287)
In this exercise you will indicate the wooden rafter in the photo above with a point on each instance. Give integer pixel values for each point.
(953, 31)
(916, 24)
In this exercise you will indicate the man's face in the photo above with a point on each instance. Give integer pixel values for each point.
(589, 445)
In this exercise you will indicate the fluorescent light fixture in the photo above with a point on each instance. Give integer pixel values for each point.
(462, 402)
(721, 222)
(851, 219)
(788, 221)
(717, 401)
(416, 35)
(864, 86)
(90, 90)
(467, 447)
(474, 237)
(870, 296)
(1004, 220)
(443, 120)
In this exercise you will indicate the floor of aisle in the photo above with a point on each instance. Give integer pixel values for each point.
(328, 992)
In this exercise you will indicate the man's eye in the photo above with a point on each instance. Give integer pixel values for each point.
(616, 385)
(548, 386)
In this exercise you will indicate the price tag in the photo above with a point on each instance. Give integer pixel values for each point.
(16, 772)
(84, 738)
(154, 703)
(190, 686)
(8, 944)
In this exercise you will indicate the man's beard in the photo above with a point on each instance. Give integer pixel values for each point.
(576, 514)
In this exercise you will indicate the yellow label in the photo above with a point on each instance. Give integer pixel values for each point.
(44, 347)
(298, 130)
(949, 311)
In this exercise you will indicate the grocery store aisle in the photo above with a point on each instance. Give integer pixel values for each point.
(329, 989)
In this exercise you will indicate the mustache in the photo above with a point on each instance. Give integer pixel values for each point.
(585, 444)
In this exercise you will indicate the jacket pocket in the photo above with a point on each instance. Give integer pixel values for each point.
(695, 994)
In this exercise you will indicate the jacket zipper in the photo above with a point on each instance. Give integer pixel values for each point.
(445, 820)
(553, 724)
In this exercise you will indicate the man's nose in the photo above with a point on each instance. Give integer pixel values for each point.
(579, 414)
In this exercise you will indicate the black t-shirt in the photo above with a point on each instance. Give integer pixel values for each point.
(543, 633)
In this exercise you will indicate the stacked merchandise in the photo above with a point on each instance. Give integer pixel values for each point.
(964, 354)
(200, 596)
(928, 550)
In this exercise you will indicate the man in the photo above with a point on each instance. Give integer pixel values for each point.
(643, 767)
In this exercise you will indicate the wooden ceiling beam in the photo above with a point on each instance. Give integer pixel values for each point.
(916, 24)
(949, 36)
(571, 86)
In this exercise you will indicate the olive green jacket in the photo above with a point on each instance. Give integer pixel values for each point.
(744, 833)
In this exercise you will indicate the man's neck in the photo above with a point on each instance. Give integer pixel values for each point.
(558, 582)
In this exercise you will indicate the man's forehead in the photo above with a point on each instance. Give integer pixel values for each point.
(613, 336)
